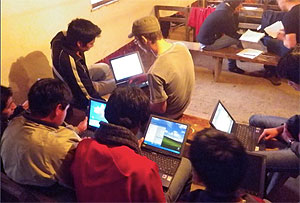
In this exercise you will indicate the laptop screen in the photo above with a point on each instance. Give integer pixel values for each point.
(254, 179)
(96, 113)
(165, 134)
(124, 67)
(221, 119)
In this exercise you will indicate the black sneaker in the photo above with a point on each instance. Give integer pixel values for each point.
(236, 70)
(274, 80)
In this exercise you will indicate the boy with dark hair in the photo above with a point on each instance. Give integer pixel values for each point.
(219, 30)
(111, 168)
(69, 63)
(220, 162)
(82, 31)
(35, 148)
(9, 109)
(173, 68)
(284, 161)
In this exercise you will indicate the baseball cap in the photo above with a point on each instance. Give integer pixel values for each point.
(144, 25)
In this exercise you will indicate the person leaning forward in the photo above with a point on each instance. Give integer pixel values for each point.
(37, 148)
(171, 77)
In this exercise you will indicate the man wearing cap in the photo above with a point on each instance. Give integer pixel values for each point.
(171, 77)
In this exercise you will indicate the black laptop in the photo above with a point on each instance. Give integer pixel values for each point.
(254, 180)
(248, 135)
(126, 66)
(164, 144)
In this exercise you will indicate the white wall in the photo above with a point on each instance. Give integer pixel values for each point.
(27, 27)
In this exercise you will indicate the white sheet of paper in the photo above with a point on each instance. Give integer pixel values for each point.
(249, 53)
(273, 29)
(252, 36)
(250, 8)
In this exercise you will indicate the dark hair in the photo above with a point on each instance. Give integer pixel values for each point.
(153, 37)
(128, 107)
(219, 160)
(5, 94)
(45, 94)
(289, 65)
(82, 30)
(233, 3)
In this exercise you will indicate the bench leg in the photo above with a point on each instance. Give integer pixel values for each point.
(218, 68)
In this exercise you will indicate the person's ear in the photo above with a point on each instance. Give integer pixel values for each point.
(140, 141)
(144, 39)
(79, 44)
(58, 109)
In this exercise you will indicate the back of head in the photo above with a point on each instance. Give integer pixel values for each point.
(219, 160)
(233, 3)
(289, 65)
(148, 27)
(5, 94)
(82, 30)
(45, 94)
(128, 107)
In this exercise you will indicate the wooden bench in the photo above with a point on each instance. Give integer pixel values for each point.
(184, 20)
(229, 53)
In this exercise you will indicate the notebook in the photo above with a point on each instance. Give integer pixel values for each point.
(126, 66)
(164, 144)
(248, 135)
(254, 180)
(96, 113)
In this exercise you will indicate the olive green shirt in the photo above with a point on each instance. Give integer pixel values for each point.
(172, 79)
(38, 154)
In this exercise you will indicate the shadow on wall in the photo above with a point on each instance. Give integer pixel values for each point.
(25, 71)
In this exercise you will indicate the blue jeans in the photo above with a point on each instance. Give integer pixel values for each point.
(262, 121)
(222, 42)
(182, 181)
(275, 46)
(283, 160)
(280, 163)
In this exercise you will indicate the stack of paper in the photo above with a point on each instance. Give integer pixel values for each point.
(249, 53)
(272, 30)
(252, 36)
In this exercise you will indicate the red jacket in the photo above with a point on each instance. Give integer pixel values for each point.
(114, 174)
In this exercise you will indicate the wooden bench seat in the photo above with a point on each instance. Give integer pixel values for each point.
(230, 53)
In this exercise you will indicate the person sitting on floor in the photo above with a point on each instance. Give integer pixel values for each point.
(285, 161)
(219, 161)
(69, 63)
(111, 168)
(35, 148)
(219, 30)
(171, 77)
(9, 109)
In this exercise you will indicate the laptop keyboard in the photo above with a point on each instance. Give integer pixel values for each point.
(245, 135)
(165, 164)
